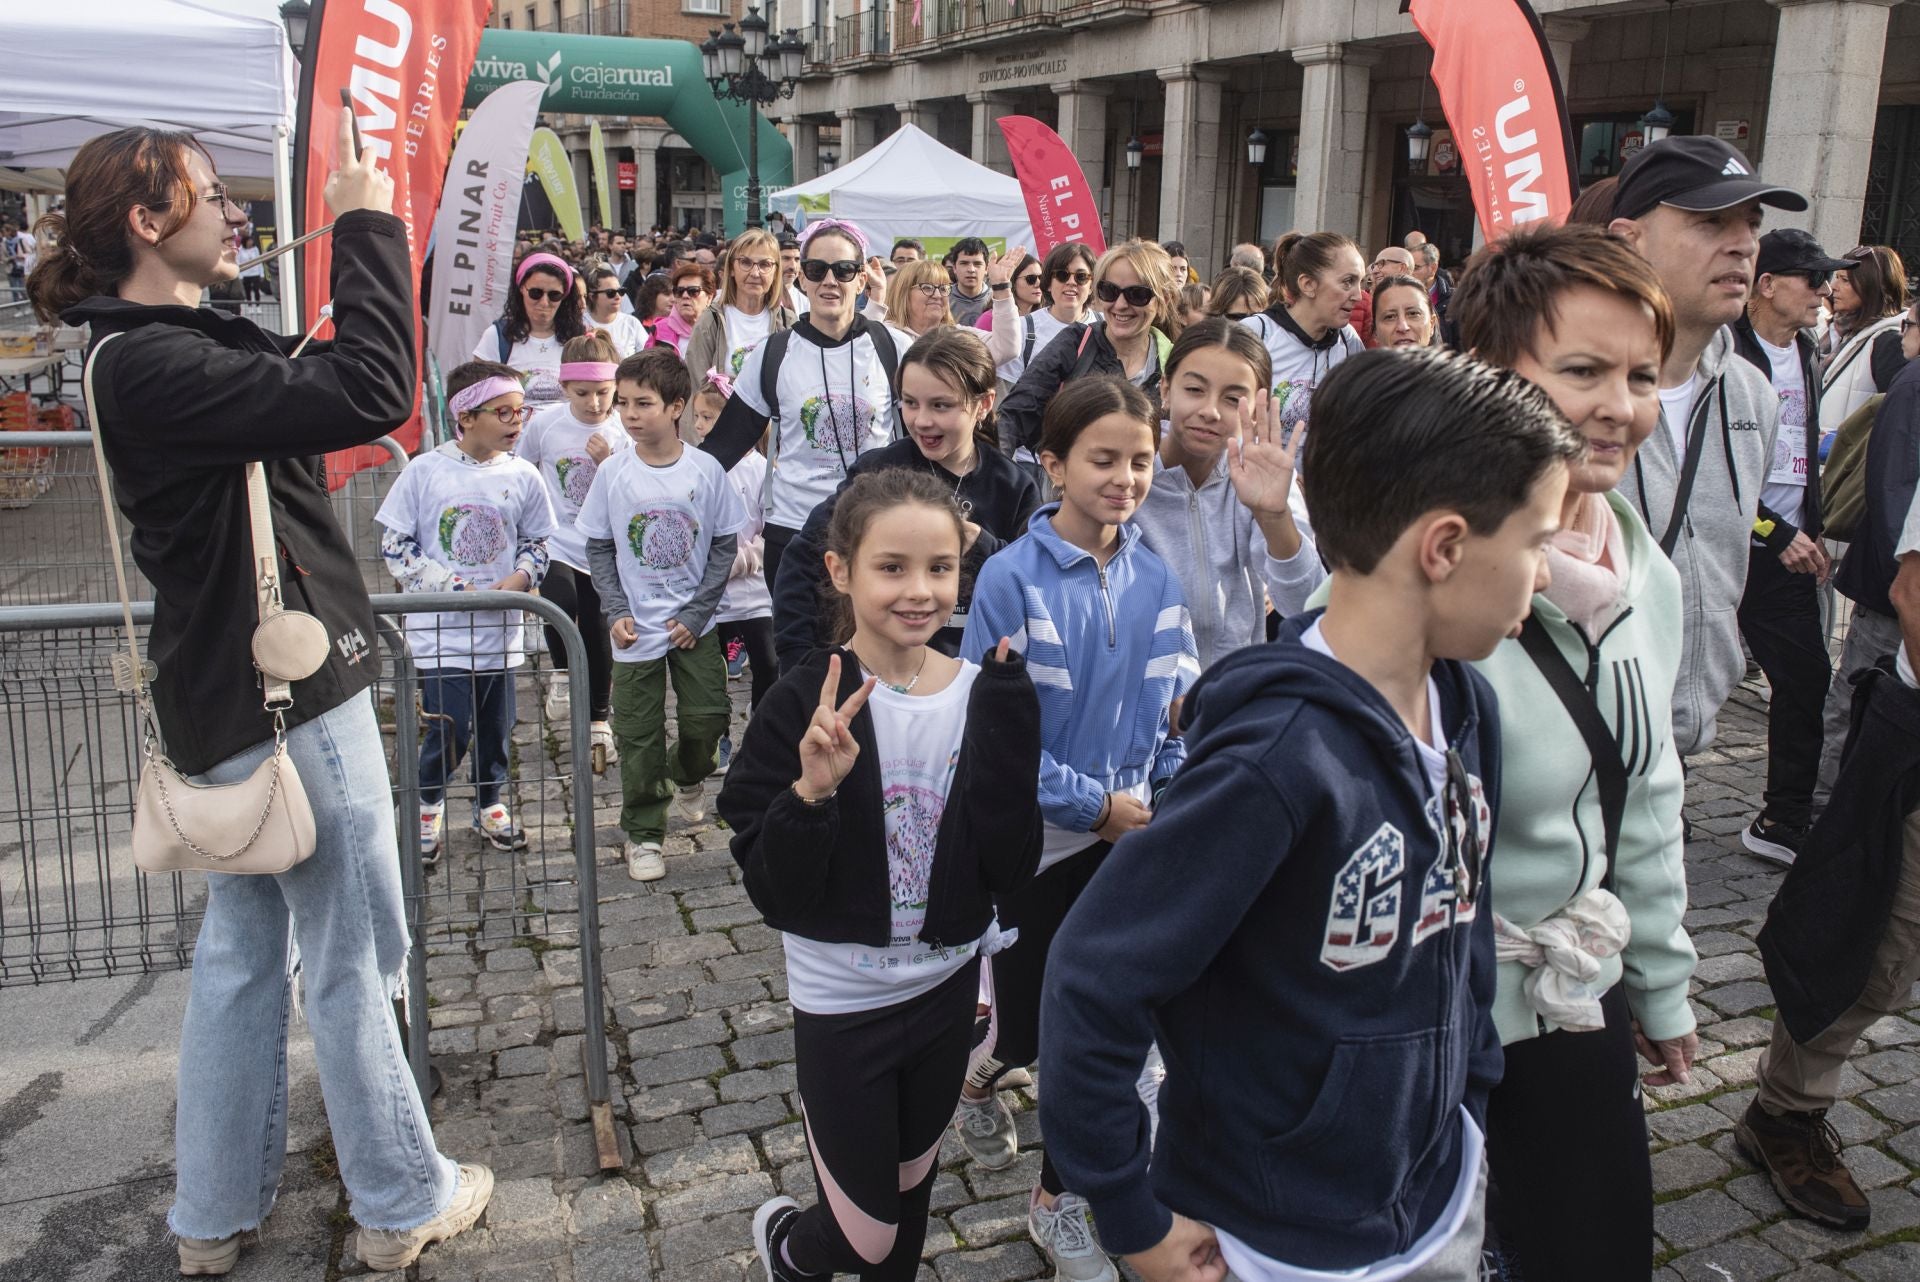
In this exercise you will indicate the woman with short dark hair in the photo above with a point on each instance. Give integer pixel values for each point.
(186, 398)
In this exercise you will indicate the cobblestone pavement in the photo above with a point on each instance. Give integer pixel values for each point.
(704, 1088)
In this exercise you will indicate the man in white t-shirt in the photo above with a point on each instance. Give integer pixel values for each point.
(1780, 612)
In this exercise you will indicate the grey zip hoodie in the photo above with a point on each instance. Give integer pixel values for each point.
(1741, 418)
(1209, 540)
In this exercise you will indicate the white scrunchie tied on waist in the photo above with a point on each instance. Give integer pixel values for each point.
(1563, 954)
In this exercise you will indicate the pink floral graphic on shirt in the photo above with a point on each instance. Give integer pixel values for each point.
(473, 534)
(575, 472)
(662, 538)
(913, 829)
(833, 423)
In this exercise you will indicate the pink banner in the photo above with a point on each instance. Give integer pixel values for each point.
(1061, 205)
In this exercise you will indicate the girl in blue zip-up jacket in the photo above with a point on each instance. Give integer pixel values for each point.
(1109, 647)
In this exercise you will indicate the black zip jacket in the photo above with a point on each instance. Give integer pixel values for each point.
(1020, 413)
(1825, 924)
(187, 397)
(998, 495)
(1747, 343)
(1866, 572)
(821, 871)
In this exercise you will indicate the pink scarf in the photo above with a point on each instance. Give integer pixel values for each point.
(671, 331)
(1586, 560)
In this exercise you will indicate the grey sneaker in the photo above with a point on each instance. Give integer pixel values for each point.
(384, 1250)
(986, 1130)
(690, 803)
(208, 1257)
(1065, 1233)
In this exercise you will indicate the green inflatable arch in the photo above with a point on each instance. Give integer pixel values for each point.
(622, 76)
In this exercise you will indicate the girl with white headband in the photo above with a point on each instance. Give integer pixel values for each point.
(826, 386)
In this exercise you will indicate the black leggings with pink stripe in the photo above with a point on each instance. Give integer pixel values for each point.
(877, 1089)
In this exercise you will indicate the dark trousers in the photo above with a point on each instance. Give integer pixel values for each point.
(463, 707)
(774, 540)
(1017, 975)
(1780, 618)
(1567, 1147)
(877, 1089)
(573, 591)
(762, 667)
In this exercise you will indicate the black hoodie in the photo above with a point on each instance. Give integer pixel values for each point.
(187, 398)
(1287, 930)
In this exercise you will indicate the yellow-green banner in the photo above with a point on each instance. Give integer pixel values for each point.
(597, 143)
(547, 158)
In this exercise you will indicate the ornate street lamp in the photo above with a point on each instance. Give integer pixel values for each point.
(295, 15)
(1658, 123)
(1256, 148)
(744, 66)
(1419, 138)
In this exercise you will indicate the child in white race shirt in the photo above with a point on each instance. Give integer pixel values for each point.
(469, 516)
(661, 524)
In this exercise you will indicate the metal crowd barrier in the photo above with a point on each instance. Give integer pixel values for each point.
(54, 541)
(72, 906)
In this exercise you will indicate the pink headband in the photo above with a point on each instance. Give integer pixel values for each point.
(841, 225)
(721, 383)
(468, 399)
(587, 371)
(550, 261)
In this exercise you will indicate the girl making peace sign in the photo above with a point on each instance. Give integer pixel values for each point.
(839, 802)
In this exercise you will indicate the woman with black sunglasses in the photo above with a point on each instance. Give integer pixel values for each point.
(827, 388)
(691, 289)
(543, 312)
(604, 314)
(1015, 332)
(1139, 319)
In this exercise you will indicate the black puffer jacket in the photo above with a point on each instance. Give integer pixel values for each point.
(1081, 348)
(187, 397)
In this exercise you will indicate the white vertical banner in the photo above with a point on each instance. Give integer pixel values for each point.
(479, 213)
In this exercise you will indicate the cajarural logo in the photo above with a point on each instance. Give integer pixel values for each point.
(588, 82)
(546, 71)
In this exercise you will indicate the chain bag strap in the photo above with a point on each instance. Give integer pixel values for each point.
(261, 824)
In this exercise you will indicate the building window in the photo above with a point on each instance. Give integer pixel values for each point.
(716, 7)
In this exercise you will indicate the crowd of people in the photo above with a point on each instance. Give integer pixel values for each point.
(1260, 705)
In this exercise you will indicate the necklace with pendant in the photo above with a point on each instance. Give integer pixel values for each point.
(897, 689)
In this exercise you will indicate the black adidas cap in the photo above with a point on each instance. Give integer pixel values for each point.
(1698, 172)
(1791, 250)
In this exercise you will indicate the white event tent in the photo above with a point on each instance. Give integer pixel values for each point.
(912, 185)
(77, 70)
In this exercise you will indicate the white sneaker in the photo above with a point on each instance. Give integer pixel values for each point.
(384, 1250)
(986, 1131)
(433, 822)
(690, 803)
(497, 826)
(646, 861)
(559, 698)
(209, 1257)
(1065, 1233)
(601, 737)
(1014, 1079)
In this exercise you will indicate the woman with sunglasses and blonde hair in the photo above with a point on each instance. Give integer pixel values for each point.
(603, 312)
(1134, 291)
(918, 297)
(751, 305)
(543, 312)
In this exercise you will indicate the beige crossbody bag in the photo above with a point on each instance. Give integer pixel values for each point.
(263, 823)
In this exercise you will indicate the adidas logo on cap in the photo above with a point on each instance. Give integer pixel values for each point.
(1734, 168)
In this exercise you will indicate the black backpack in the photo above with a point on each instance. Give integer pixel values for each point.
(776, 352)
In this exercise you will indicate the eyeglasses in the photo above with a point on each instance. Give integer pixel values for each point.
(217, 196)
(509, 414)
(1815, 280)
(930, 292)
(1139, 295)
(1066, 277)
(1031, 279)
(816, 269)
(535, 294)
(758, 264)
(689, 291)
(606, 293)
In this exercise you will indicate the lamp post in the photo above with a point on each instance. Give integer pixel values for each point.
(744, 66)
(1419, 138)
(295, 15)
(1257, 148)
(1657, 124)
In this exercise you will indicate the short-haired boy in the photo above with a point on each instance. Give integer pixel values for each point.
(661, 523)
(469, 516)
(1299, 928)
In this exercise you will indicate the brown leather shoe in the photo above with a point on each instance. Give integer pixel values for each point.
(1801, 1152)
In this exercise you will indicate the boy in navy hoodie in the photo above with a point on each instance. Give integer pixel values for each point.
(1300, 927)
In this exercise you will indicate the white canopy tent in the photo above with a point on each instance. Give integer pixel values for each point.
(86, 68)
(911, 185)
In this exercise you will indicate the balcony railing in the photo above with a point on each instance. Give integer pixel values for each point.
(602, 20)
(862, 34)
(960, 19)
